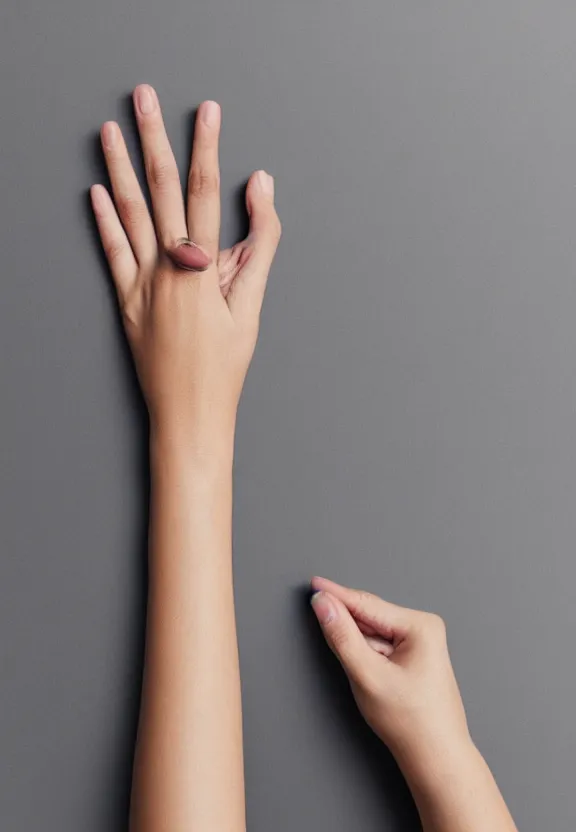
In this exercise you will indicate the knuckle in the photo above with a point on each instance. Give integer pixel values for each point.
(162, 172)
(163, 277)
(276, 226)
(371, 683)
(114, 249)
(363, 601)
(203, 182)
(436, 624)
(131, 210)
(339, 639)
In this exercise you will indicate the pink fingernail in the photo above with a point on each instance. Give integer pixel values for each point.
(145, 99)
(109, 135)
(210, 113)
(97, 194)
(265, 182)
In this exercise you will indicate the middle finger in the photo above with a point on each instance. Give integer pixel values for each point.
(161, 168)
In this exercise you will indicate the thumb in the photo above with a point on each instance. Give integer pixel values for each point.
(263, 238)
(342, 635)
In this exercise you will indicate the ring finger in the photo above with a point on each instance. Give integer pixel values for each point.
(128, 196)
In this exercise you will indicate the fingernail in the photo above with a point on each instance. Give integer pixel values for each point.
(109, 135)
(145, 99)
(210, 113)
(265, 182)
(97, 195)
(323, 607)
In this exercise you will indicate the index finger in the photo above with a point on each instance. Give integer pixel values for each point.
(386, 619)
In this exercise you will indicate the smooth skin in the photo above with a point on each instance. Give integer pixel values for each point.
(397, 662)
(192, 335)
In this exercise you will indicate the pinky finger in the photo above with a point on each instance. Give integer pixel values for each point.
(115, 243)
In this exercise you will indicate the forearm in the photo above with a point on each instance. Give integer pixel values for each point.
(188, 769)
(191, 313)
(454, 789)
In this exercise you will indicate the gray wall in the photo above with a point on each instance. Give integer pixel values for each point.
(408, 424)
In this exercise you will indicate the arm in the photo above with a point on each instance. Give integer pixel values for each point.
(401, 675)
(191, 316)
(455, 791)
(188, 765)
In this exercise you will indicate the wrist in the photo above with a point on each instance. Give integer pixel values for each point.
(203, 449)
(425, 761)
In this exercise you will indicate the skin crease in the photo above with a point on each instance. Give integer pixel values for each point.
(192, 334)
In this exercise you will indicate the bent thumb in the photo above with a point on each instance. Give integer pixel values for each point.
(263, 238)
(342, 634)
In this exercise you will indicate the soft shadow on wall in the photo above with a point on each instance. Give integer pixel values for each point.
(116, 770)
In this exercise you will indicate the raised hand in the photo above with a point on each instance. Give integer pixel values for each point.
(191, 311)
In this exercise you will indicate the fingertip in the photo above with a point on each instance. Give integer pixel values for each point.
(143, 87)
(210, 113)
(145, 99)
(326, 584)
(98, 195)
(316, 583)
(109, 134)
(262, 183)
(312, 592)
(324, 607)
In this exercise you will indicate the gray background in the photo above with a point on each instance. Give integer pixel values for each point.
(408, 424)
